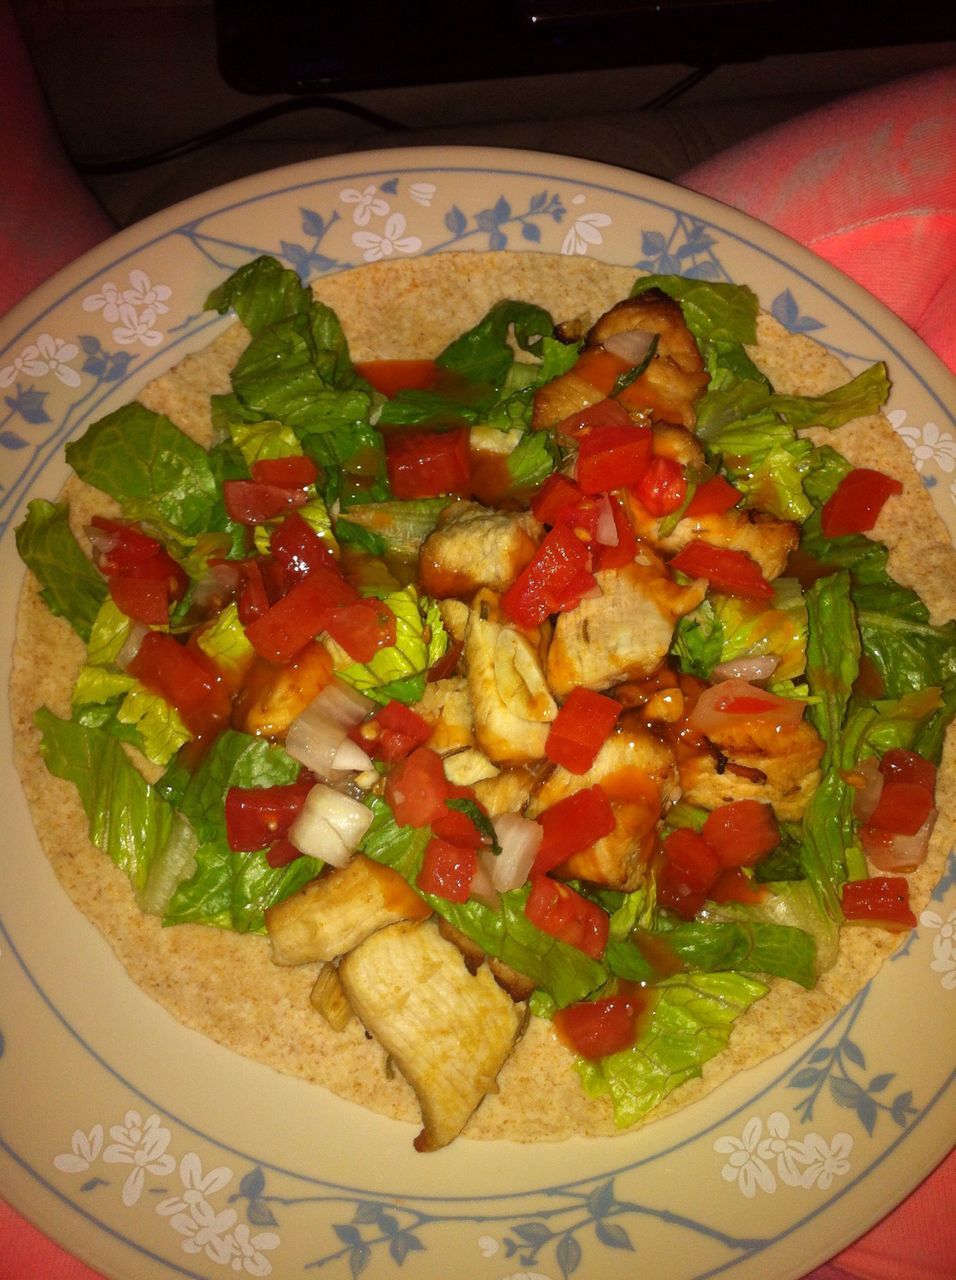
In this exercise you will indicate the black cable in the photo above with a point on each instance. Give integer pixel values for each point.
(307, 101)
(681, 87)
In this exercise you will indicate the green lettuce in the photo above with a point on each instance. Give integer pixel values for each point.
(224, 642)
(120, 704)
(724, 628)
(400, 670)
(70, 586)
(153, 470)
(690, 1022)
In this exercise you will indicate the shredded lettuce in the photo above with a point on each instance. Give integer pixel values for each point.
(400, 670)
(690, 1022)
(70, 586)
(724, 628)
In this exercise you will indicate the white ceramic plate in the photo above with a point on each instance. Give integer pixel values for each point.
(152, 1152)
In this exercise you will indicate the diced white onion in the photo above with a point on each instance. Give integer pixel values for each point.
(755, 670)
(330, 825)
(709, 718)
(318, 736)
(632, 345)
(351, 758)
(606, 531)
(898, 853)
(482, 884)
(520, 840)
(867, 782)
(220, 581)
(130, 646)
(103, 541)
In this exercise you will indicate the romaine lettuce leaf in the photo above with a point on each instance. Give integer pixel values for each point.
(224, 641)
(261, 293)
(152, 469)
(400, 670)
(724, 628)
(129, 820)
(118, 703)
(689, 1023)
(70, 586)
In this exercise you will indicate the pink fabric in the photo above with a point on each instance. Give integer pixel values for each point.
(868, 183)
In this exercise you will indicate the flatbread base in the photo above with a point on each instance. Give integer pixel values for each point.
(225, 985)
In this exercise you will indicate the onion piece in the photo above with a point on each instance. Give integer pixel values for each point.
(130, 646)
(317, 737)
(755, 670)
(606, 532)
(330, 825)
(710, 714)
(888, 851)
(520, 839)
(867, 781)
(482, 885)
(631, 345)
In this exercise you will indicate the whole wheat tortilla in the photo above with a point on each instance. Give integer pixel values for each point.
(225, 985)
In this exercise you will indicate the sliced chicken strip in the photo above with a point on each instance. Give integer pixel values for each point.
(448, 1031)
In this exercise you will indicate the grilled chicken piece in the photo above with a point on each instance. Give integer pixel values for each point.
(763, 537)
(447, 708)
(678, 444)
(664, 392)
(271, 697)
(510, 698)
(467, 767)
(637, 773)
(510, 791)
(328, 998)
(474, 547)
(454, 614)
(756, 761)
(447, 1030)
(622, 634)
(339, 910)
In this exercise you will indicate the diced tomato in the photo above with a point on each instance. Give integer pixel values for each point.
(447, 870)
(282, 853)
(573, 824)
(734, 885)
(393, 732)
(258, 816)
(613, 457)
(144, 600)
(689, 870)
(580, 729)
(741, 833)
(556, 497)
(712, 498)
(182, 676)
(902, 808)
(555, 580)
(389, 377)
(362, 628)
(416, 789)
(447, 663)
(605, 413)
(726, 570)
(600, 368)
(297, 547)
(857, 502)
(118, 546)
(623, 553)
(662, 488)
(457, 828)
(253, 599)
(250, 503)
(898, 765)
(596, 1028)
(880, 900)
(299, 616)
(564, 914)
(295, 471)
(426, 464)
